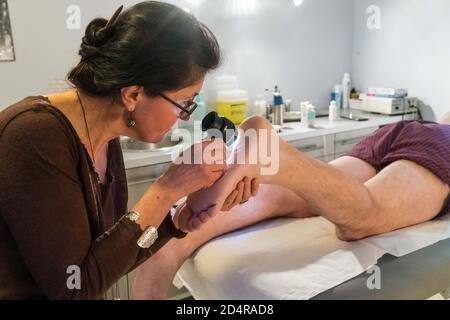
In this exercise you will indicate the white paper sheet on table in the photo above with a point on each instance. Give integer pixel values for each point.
(293, 259)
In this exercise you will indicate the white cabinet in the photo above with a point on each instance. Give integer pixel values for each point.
(330, 147)
(345, 141)
(140, 179)
(319, 147)
(120, 290)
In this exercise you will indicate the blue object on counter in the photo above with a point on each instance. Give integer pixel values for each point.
(201, 105)
(277, 97)
(336, 96)
(277, 100)
(311, 116)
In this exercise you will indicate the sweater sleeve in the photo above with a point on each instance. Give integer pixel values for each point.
(43, 205)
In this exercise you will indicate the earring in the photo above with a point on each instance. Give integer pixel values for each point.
(131, 123)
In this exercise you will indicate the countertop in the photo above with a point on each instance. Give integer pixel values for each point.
(291, 131)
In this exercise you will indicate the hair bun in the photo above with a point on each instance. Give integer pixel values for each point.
(153, 44)
(97, 35)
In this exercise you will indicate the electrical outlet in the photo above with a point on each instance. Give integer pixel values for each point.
(412, 102)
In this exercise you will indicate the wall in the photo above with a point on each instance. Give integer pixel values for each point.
(304, 49)
(45, 48)
(411, 49)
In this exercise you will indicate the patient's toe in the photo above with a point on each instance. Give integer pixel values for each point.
(196, 223)
(203, 217)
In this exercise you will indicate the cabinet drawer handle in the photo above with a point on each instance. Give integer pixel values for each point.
(309, 148)
(350, 141)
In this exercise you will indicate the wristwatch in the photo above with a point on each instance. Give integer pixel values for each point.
(149, 236)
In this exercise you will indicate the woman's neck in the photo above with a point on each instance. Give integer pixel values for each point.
(100, 122)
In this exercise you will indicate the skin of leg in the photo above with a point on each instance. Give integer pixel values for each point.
(362, 209)
(445, 119)
(353, 167)
(354, 207)
(328, 191)
(155, 276)
(404, 194)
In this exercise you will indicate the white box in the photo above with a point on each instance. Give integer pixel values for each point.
(387, 106)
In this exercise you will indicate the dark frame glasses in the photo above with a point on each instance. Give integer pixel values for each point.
(189, 107)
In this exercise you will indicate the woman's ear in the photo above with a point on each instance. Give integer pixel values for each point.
(130, 96)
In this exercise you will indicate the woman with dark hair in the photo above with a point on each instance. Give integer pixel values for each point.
(64, 228)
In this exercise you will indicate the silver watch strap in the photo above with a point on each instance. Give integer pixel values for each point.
(148, 238)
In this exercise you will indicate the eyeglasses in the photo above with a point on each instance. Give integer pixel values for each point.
(187, 106)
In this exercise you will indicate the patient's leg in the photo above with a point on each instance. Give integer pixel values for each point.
(445, 119)
(295, 169)
(155, 276)
(401, 195)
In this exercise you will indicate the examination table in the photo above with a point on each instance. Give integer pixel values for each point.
(416, 276)
(296, 259)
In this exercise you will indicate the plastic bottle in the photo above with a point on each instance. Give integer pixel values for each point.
(260, 108)
(311, 116)
(200, 113)
(231, 102)
(332, 117)
(304, 114)
(337, 95)
(278, 108)
(346, 87)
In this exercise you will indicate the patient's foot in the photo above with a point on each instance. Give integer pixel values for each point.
(245, 161)
(206, 203)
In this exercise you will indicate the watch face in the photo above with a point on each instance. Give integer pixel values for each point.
(133, 216)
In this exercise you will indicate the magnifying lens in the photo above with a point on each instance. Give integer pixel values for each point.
(215, 125)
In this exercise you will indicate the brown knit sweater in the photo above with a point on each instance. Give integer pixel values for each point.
(54, 214)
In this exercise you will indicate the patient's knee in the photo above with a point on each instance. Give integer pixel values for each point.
(445, 119)
(349, 234)
(256, 122)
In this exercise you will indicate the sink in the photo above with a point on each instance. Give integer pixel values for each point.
(290, 116)
(165, 145)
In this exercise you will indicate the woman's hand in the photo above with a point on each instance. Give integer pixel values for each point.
(186, 220)
(197, 167)
(245, 189)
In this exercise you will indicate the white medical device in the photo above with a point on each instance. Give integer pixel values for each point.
(388, 106)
